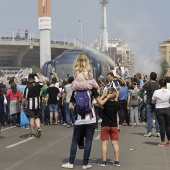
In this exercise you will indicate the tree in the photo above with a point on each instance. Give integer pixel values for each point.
(36, 69)
(164, 67)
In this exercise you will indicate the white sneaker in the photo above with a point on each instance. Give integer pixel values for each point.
(100, 120)
(148, 134)
(67, 166)
(88, 166)
(158, 134)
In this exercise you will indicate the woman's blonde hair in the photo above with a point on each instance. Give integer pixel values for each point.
(81, 63)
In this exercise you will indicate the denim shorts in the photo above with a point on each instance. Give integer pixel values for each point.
(53, 108)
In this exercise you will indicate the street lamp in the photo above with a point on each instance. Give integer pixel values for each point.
(81, 28)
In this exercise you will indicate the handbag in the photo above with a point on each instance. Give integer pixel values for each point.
(23, 119)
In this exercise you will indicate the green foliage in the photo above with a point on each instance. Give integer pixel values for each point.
(164, 67)
(36, 69)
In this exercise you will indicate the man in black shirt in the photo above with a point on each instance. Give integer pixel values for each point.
(150, 87)
(32, 107)
(52, 101)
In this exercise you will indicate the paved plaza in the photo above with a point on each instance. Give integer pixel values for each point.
(52, 150)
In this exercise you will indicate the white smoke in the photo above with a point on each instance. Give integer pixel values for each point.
(142, 37)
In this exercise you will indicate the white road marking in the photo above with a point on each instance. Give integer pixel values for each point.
(7, 128)
(18, 143)
(38, 152)
(97, 137)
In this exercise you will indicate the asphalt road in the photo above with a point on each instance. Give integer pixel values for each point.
(49, 152)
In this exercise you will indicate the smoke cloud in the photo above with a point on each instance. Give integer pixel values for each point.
(142, 37)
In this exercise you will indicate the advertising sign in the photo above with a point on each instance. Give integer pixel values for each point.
(44, 23)
(44, 8)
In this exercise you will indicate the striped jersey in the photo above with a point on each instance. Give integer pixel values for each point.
(32, 94)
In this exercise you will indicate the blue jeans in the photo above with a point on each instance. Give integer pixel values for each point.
(150, 109)
(69, 114)
(43, 106)
(141, 108)
(88, 129)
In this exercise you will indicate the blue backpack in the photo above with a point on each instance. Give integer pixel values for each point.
(83, 103)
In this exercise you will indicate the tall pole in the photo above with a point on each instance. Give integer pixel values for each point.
(81, 32)
(104, 26)
(44, 16)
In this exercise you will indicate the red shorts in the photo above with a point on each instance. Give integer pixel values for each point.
(107, 132)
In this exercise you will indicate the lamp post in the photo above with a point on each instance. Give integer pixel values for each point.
(81, 28)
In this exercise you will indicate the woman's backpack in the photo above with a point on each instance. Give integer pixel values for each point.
(83, 102)
(134, 98)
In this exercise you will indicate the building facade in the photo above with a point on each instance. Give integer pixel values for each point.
(164, 51)
(120, 52)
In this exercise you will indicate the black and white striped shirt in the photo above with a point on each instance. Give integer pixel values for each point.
(32, 94)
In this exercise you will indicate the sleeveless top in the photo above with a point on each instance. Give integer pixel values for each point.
(84, 72)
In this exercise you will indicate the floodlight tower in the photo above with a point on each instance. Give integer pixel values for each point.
(104, 25)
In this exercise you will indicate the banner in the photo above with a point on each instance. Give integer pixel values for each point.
(44, 8)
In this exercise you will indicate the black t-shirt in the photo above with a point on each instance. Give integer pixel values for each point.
(150, 87)
(110, 114)
(53, 92)
(93, 94)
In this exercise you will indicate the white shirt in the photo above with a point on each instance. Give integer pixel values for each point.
(162, 98)
(112, 84)
(57, 85)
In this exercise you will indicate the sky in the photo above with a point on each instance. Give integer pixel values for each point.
(142, 24)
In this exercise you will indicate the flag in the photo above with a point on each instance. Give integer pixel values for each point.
(20, 73)
(126, 74)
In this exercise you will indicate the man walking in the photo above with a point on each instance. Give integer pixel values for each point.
(32, 107)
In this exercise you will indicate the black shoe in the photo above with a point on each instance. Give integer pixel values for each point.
(103, 163)
(31, 135)
(116, 163)
(39, 132)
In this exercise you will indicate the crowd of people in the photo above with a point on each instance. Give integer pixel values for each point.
(80, 101)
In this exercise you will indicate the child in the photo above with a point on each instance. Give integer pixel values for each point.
(110, 128)
(83, 76)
